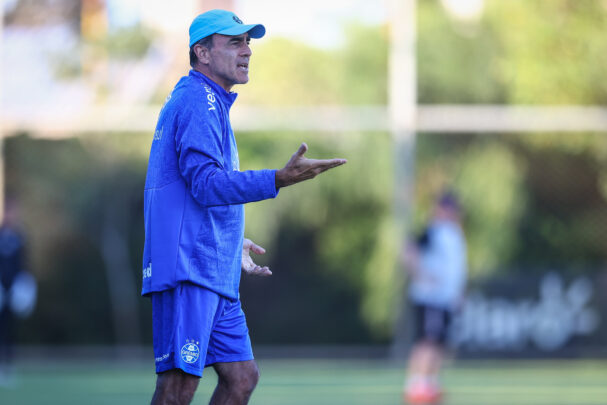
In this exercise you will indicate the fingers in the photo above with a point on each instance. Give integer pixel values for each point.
(260, 271)
(300, 168)
(303, 148)
(248, 244)
(330, 163)
(323, 165)
(257, 249)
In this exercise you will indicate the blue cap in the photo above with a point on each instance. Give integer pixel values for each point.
(222, 22)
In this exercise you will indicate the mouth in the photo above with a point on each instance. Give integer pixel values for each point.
(243, 67)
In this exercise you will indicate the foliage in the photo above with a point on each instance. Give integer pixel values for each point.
(532, 201)
(285, 72)
(340, 218)
(127, 43)
(553, 51)
(65, 188)
(457, 63)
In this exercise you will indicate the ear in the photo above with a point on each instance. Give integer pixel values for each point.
(203, 54)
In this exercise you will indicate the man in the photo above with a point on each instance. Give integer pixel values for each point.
(194, 219)
(437, 266)
(17, 287)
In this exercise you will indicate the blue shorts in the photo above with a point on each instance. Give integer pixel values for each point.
(195, 328)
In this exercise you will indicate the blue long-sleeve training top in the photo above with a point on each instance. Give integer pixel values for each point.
(195, 191)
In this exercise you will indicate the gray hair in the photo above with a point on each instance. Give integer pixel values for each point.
(207, 42)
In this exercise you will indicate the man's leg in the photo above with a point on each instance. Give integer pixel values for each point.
(236, 382)
(182, 319)
(175, 387)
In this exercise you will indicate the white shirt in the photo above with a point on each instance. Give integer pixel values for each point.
(441, 273)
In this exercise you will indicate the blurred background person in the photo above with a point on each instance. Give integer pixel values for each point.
(17, 287)
(436, 263)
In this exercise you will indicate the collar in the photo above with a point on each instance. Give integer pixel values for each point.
(225, 97)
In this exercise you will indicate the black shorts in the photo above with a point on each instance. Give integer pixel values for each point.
(431, 323)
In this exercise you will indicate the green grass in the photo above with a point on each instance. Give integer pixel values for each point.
(319, 382)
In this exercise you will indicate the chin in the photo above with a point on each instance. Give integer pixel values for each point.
(241, 77)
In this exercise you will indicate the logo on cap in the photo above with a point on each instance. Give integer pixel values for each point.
(238, 20)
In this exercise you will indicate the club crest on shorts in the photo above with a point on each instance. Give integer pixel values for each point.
(190, 352)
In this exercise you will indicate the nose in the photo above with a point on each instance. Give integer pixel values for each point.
(246, 50)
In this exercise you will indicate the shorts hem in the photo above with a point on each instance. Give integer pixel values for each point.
(231, 359)
(189, 370)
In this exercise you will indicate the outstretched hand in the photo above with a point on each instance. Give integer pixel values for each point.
(248, 265)
(300, 168)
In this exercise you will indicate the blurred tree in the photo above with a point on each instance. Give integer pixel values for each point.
(363, 65)
(128, 43)
(285, 72)
(550, 207)
(554, 52)
(343, 221)
(457, 62)
(80, 206)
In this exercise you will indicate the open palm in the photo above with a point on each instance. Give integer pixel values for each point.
(248, 265)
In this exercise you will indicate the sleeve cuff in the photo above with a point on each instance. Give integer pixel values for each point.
(270, 188)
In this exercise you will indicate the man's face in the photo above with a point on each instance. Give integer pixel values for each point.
(445, 212)
(228, 60)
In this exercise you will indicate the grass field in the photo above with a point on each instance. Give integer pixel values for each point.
(319, 382)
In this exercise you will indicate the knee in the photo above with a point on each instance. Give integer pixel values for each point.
(244, 382)
(175, 387)
(187, 390)
(247, 381)
(255, 378)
